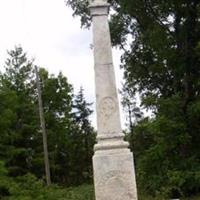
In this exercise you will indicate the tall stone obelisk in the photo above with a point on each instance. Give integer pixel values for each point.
(113, 166)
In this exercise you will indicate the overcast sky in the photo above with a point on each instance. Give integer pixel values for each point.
(47, 32)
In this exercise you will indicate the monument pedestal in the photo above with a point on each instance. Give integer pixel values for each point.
(114, 175)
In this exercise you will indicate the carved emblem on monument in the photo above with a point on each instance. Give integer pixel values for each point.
(107, 107)
(113, 186)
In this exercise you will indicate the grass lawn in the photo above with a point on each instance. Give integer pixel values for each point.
(152, 198)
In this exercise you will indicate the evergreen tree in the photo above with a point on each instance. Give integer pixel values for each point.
(84, 136)
(19, 118)
(70, 134)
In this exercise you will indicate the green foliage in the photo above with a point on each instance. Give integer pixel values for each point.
(18, 118)
(166, 156)
(80, 7)
(84, 136)
(28, 187)
(3, 170)
(69, 132)
(134, 113)
(161, 62)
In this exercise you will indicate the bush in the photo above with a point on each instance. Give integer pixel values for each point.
(28, 187)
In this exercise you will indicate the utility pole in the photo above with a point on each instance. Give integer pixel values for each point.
(44, 135)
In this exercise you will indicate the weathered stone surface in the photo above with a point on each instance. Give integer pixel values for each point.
(114, 175)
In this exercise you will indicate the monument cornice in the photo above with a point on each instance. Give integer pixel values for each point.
(97, 9)
(99, 3)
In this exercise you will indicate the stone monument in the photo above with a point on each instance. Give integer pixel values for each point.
(113, 166)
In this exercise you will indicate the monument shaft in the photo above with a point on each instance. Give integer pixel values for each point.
(114, 175)
(108, 118)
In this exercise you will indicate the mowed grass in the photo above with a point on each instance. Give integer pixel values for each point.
(143, 197)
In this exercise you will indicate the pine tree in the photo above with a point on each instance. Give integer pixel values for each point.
(18, 105)
(85, 136)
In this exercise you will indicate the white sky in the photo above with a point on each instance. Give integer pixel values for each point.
(47, 32)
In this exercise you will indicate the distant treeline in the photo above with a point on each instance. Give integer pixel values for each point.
(70, 135)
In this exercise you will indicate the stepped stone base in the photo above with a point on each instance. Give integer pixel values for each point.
(114, 175)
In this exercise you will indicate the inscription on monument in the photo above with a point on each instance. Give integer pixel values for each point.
(114, 186)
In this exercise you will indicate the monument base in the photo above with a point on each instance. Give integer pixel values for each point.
(114, 175)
